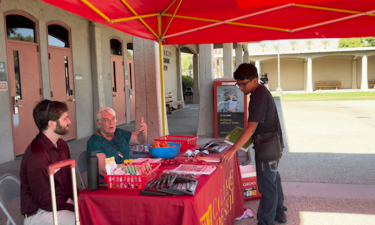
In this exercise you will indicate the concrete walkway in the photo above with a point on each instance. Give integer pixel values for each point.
(327, 167)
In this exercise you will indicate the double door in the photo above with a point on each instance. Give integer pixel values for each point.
(131, 88)
(25, 91)
(118, 88)
(62, 85)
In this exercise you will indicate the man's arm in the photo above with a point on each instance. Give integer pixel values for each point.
(246, 135)
(141, 137)
(101, 163)
(39, 184)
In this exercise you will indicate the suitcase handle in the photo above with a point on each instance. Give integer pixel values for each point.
(51, 172)
(69, 162)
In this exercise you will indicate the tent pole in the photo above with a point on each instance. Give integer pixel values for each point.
(163, 114)
(162, 85)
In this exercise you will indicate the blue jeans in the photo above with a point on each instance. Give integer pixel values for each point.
(271, 204)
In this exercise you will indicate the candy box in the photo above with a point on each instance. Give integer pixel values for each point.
(132, 182)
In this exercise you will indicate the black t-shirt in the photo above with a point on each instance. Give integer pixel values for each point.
(262, 109)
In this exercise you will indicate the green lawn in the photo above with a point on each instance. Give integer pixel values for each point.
(327, 96)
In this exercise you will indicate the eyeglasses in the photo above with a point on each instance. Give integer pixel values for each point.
(47, 111)
(242, 85)
(108, 120)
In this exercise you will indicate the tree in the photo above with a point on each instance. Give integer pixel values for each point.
(276, 47)
(130, 53)
(293, 43)
(357, 42)
(186, 63)
(263, 45)
(325, 43)
(309, 43)
(187, 81)
(351, 43)
(20, 37)
(370, 41)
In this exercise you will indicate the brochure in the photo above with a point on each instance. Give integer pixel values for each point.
(197, 169)
(233, 137)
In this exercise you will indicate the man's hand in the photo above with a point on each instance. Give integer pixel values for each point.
(227, 155)
(143, 126)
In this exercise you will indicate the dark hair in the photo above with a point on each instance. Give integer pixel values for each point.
(47, 110)
(246, 71)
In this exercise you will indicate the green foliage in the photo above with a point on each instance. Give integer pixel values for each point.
(325, 43)
(351, 43)
(328, 96)
(263, 45)
(186, 63)
(130, 53)
(309, 43)
(293, 43)
(370, 41)
(357, 42)
(187, 81)
(19, 37)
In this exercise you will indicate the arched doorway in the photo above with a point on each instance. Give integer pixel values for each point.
(118, 80)
(61, 71)
(24, 76)
(130, 58)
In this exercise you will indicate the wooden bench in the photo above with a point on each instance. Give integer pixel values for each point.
(171, 105)
(371, 83)
(169, 97)
(325, 84)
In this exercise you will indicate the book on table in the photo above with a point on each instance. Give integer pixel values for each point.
(233, 136)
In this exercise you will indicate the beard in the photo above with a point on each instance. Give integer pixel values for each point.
(60, 130)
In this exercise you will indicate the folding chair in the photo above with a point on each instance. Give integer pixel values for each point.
(10, 188)
(82, 169)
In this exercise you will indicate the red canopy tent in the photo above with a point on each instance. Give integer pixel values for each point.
(227, 21)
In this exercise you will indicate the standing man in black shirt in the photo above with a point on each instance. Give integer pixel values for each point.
(263, 118)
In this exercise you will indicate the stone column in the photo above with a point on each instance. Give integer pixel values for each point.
(238, 55)
(354, 73)
(96, 67)
(246, 57)
(228, 60)
(309, 86)
(196, 87)
(127, 82)
(6, 134)
(206, 105)
(364, 82)
(304, 74)
(180, 92)
(257, 65)
(148, 87)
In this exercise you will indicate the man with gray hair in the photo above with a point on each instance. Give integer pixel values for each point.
(109, 141)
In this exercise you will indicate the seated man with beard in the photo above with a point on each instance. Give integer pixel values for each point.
(51, 118)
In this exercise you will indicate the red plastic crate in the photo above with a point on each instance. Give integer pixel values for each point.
(185, 141)
(132, 182)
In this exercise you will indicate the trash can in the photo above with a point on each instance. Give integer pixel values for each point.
(188, 95)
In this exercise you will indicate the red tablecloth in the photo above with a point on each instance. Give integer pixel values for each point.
(219, 199)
